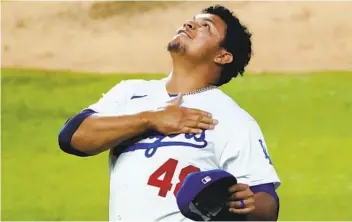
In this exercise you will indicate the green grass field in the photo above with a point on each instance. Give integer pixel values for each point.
(306, 120)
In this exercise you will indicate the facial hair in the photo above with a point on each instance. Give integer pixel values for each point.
(176, 47)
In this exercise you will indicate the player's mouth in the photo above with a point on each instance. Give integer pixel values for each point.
(184, 32)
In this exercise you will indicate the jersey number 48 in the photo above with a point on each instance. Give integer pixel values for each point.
(168, 168)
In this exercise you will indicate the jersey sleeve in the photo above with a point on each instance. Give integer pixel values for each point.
(246, 157)
(113, 100)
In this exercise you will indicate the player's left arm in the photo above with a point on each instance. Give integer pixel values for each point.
(259, 203)
(247, 158)
(266, 207)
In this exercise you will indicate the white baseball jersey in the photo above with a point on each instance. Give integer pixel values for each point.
(147, 173)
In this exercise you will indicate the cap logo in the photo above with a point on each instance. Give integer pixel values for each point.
(206, 179)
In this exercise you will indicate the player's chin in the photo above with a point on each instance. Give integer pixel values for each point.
(176, 46)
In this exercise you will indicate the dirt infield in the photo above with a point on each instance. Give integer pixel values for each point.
(131, 37)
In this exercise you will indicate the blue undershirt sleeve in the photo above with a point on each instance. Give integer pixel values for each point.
(67, 131)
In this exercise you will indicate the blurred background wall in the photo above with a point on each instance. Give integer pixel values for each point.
(132, 36)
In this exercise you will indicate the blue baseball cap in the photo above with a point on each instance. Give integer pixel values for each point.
(204, 195)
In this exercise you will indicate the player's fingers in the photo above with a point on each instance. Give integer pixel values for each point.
(195, 124)
(205, 126)
(202, 119)
(198, 112)
(238, 187)
(199, 118)
(241, 204)
(242, 211)
(191, 130)
(241, 195)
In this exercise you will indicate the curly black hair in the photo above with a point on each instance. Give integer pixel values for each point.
(237, 41)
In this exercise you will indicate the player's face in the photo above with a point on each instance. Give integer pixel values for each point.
(200, 37)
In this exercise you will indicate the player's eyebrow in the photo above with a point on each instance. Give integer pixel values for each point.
(206, 19)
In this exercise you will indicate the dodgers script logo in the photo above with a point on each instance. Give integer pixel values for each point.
(153, 142)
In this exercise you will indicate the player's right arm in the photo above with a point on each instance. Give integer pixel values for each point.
(96, 130)
(97, 133)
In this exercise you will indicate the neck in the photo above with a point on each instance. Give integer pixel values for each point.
(187, 76)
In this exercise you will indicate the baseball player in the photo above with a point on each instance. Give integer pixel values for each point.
(160, 131)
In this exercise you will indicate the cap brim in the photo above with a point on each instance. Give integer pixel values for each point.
(215, 194)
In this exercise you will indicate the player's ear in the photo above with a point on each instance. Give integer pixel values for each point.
(223, 57)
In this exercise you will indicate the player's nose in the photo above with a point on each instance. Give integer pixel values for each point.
(189, 24)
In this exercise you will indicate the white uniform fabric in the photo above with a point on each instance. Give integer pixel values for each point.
(143, 179)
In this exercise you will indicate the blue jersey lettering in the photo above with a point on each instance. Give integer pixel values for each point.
(193, 140)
